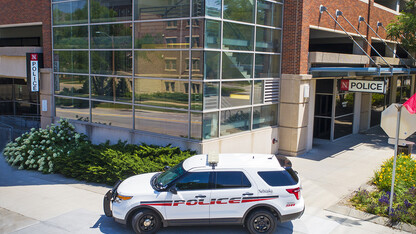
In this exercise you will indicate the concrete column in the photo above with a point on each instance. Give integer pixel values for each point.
(365, 113)
(311, 115)
(413, 85)
(357, 113)
(393, 89)
(294, 114)
(47, 108)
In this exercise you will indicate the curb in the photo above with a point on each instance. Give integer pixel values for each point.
(348, 211)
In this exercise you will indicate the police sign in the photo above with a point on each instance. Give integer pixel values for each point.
(34, 63)
(368, 86)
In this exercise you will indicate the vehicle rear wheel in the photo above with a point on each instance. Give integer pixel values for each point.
(146, 221)
(261, 221)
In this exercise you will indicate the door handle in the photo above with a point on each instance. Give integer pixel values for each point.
(200, 196)
(247, 194)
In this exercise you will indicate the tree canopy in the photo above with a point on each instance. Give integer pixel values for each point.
(405, 24)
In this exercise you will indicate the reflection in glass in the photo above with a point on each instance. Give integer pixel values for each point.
(322, 128)
(343, 126)
(197, 95)
(344, 104)
(111, 62)
(206, 7)
(268, 40)
(269, 13)
(161, 9)
(210, 125)
(239, 10)
(377, 106)
(72, 108)
(111, 88)
(71, 61)
(264, 116)
(237, 36)
(111, 36)
(267, 66)
(75, 37)
(72, 85)
(237, 65)
(164, 93)
(75, 12)
(110, 10)
(212, 34)
(112, 114)
(234, 121)
(205, 64)
(162, 34)
(169, 122)
(196, 126)
(162, 64)
(235, 93)
(258, 96)
(211, 95)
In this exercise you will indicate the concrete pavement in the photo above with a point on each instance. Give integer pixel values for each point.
(31, 202)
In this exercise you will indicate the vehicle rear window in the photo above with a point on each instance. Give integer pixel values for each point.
(279, 178)
(231, 179)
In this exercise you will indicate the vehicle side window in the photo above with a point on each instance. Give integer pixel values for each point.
(231, 179)
(277, 178)
(194, 181)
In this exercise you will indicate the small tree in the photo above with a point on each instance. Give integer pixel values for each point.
(405, 24)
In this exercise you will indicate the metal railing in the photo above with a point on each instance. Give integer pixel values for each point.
(12, 127)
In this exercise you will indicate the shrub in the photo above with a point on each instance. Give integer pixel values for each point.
(38, 149)
(107, 163)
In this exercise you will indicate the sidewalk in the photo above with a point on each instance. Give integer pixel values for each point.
(31, 202)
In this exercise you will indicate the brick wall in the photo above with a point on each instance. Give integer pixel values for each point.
(300, 14)
(29, 11)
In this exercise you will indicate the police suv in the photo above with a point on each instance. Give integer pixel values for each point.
(254, 190)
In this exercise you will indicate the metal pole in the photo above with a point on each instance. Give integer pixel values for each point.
(396, 146)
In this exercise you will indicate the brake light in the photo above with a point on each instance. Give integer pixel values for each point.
(295, 192)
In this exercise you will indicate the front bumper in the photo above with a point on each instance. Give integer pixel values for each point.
(109, 198)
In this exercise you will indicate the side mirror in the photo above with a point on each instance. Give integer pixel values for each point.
(166, 168)
(173, 190)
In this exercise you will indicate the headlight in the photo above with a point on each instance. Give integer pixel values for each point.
(121, 198)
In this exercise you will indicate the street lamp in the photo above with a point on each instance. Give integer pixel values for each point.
(113, 61)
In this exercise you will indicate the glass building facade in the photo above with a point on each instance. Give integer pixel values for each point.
(196, 69)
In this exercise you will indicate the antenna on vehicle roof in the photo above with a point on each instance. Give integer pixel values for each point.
(213, 159)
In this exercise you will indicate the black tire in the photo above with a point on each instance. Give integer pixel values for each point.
(146, 221)
(261, 221)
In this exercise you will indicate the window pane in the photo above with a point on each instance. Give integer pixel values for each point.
(112, 114)
(211, 94)
(268, 40)
(168, 122)
(160, 9)
(210, 125)
(236, 93)
(164, 93)
(194, 181)
(237, 65)
(210, 67)
(231, 179)
(344, 104)
(71, 61)
(162, 64)
(211, 8)
(162, 34)
(267, 66)
(212, 34)
(237, 36)
(234, 121)
(343, 126)
(72, 108)
(264, 116)
(196, 95)
(277, 178)
(75, 12)
(111, 88)
(111, 62)
(110, 10)
(72, 85)
(111, 36)
(196, 126)
(239, 10)
(269, 13)
(75, 37)
(258, 95)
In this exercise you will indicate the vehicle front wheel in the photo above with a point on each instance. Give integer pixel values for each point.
(261, 221)
(146, 221)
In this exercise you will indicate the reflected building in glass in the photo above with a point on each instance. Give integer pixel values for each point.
(189, 71)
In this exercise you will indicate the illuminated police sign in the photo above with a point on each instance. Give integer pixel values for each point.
(34, 73)
(368, 86)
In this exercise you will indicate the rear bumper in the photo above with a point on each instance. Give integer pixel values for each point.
(286, 218)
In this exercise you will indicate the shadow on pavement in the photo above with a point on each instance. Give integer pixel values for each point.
(108, 225)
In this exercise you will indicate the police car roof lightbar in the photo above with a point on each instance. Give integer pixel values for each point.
(213, 159)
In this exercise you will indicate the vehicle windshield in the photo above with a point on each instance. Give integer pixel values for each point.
(170, 175)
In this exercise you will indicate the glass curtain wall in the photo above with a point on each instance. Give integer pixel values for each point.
(194, 69)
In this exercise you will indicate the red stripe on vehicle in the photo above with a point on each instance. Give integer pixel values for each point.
(255, 200)
(158, 204)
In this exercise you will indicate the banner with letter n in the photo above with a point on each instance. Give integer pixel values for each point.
(34, 62)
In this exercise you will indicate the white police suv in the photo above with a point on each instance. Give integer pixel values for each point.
(254, 190)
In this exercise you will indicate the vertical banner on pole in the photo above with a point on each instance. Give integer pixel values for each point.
(34, 62)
